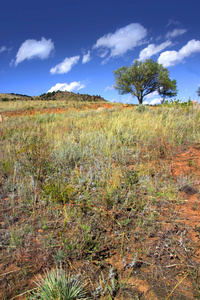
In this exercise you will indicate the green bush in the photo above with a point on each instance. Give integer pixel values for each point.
(140, 108)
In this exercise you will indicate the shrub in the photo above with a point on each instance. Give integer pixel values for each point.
(140, 108)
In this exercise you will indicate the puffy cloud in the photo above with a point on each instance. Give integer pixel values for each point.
(191, 47)
(86, 58)
(122, 40)
(66, 65)
(153, 94)
(152, 49)
(73, 86)
(176, 32)
(156, 101)
(34, 49)
(171, 58)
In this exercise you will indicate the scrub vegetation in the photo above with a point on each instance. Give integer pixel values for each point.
(100, 202)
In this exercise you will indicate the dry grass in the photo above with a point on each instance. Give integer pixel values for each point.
(94, 192)
(67, 100)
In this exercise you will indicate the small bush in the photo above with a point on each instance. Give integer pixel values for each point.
(140, 108)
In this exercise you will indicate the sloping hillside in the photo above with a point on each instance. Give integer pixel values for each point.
(12, 96)
(69, 96)
(49, 101)
(52, 96)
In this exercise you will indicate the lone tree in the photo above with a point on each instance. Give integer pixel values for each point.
(143, 78)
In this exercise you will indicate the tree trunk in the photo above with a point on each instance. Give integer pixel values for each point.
(140, 100)
(139, 95)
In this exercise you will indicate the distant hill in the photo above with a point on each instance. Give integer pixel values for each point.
(69, 96)
(59, 95)
(12, 96)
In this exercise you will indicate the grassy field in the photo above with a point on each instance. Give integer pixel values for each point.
(67, 100)
(103, 195)
(25, 105)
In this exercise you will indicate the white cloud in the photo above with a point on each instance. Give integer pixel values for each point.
(172, 22)
(122, 40)
(73, 86)
(86, 58)
(152, 49)
(171, 58)
(176, 32)
(34, 49)
(153, 102)
(109, 88)
(102, 53)
(66, 65)
(156, 101)
(153, 94)
(2, 49)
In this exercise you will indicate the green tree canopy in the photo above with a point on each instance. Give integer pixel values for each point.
(166, 86)
(143, 78)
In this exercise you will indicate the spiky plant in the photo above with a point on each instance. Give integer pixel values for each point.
(57, 285)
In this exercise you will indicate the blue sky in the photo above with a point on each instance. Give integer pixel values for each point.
(75, 45)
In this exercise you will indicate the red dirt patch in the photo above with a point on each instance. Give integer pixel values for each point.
(187, 163)
(52, 110)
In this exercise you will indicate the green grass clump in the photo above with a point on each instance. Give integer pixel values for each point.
(57, 285)
(57, 191)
